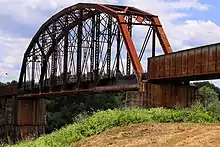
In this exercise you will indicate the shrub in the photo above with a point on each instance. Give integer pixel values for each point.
(214, 109)
(207, 95)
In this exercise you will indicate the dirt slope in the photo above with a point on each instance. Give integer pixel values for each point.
(157, 135)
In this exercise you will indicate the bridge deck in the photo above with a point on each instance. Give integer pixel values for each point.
(118, 84)
(201, 63)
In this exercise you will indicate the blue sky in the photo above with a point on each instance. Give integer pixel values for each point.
(187, 23)
(212, 13)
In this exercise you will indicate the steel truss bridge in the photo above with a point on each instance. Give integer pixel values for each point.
(88, 48)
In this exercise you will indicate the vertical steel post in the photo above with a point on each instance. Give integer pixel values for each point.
(109, 46)
(92, 47)
(15, 120)
(153, 42)
(65, 59)
(33, 70)
(79, 46)
(44, 65)
(130, 31)
(54, 59)
(118, 50)
(97, 46)
(24, 86)
(92, 44)
(41, 82)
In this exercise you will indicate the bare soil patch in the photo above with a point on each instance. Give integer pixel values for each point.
(157, 135)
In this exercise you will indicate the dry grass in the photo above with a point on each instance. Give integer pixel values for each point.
(157, 135)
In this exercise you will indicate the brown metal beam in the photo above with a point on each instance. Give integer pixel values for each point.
(130, 47)
(153, 43)
(65, 59)
(143, 24)
(162, 37)
(116, 88)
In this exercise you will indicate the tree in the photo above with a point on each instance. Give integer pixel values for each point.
(8, 83)
(210, 85)
(62, 110)
(2, 84)
(207, 95)
(14, 82)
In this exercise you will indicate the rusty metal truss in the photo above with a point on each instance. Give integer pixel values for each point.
(82, 46)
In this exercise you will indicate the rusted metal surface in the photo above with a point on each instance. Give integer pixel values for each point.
(31, 116)
(201, 63)
(115, 88)
(21, 118)
(55, 32)
(162, 95)
(7, 110)
(7, 118)
(130, 47)
(29, 112)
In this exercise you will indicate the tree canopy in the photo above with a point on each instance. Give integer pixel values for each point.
(210, 85)
(207, 95)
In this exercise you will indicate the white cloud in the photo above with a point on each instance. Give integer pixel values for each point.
(196, 32)
(11, 56)
(188, 4)
(31, 12)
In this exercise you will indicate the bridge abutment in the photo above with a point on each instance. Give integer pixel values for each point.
(20, 118)
(161, 95)
(30, 119)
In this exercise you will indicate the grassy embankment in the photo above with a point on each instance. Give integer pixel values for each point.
(100, 121)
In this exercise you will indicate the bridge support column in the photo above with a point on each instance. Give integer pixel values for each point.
(161, 95)
(7, 127)
(21, 118)
(30, 117)
(132, 99)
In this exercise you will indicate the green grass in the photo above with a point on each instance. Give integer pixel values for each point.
(100, 121)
